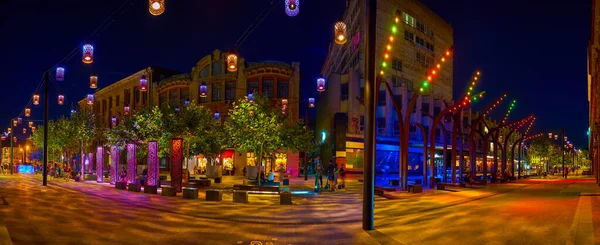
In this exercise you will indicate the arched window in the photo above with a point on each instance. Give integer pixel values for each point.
(204, 72)
(217, 68)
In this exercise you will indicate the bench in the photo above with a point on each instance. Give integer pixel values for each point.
(89, 177)
(201, 183)
(241, 192)
(150, 189)
(121, 185)
(240, 196)
(286, 181)
(135, 187)
(256, 189)
(440, 186)
(380, 191)
(214, 195)
(415, 189)
(190, 193)
(168, 191)
(394, 182)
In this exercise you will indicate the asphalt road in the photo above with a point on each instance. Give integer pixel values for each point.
(532, 212)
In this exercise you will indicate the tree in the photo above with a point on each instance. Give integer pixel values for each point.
(543, 150)
(258, 127)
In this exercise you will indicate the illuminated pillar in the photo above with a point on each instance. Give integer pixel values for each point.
(100, 164)
(152, 179)
(114, 164)
(176, 163)
(90, 160)
(131, 164)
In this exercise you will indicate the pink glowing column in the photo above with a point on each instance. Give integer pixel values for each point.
(90, 160)
(152, 179)
(100, 164)
(131, 164)
(176, 163)
(114, 164)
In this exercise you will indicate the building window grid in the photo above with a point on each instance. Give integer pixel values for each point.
(217, 92)
(283, 89)
(381, 98)
(230, 91)
(397, 64)
(267, 88)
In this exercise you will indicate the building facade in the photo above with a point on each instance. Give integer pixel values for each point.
(277, 80)
(594, 89)
(421, 37)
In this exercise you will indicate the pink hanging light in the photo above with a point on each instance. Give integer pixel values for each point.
(126, 110)
(90, 99)
(292, 7)
(88, 54)
(311, 102)
(61, 99)
(203, 90)
(24, 130)
(27, 112)
(143, 83)
(60, 74)
(321, 85)
(114, 121)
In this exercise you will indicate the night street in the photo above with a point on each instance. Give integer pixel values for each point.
(533, 212)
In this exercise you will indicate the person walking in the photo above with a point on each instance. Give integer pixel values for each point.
(342, 172)
(319, 175)
(332, 168)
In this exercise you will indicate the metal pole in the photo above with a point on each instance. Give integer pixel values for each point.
(45, 171)
(370, 99)
(562, 151)
(11, 146)
(306, 153)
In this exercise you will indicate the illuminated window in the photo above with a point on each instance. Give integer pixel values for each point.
(409, 20)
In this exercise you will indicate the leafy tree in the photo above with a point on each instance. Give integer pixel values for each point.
(258, 127)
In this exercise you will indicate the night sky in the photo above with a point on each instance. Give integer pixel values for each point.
(534, 50)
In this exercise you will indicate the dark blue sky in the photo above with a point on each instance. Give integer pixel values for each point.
(534, 50)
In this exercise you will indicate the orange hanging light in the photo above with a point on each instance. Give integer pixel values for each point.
(232, 61)
(340, 33)
(36, 99)
(27, 111)
(93, 80)
(30, 124)
(156, 7)
(61, 99)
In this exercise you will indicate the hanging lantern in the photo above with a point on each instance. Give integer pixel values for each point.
(93, 80)
(32, 129)
(232, 61)
(251, 98)
(114, 121)
(321, 84)
(60, 74)
(88, 54)
(9, 130)
(217, 115)
(186, 102)
(292, 7)
(284, 103)
(311, 102)
(27, 112)
(61, 99)
(143, 83)
(36, 99)
(126, 110)
(340, 33)
(203, 90)
(15, 122)
(156, 7)
(15, 138)
(30, 124)
(24, 130)
(90, 99)
(19, 120)
(73, 112)
(177, 109)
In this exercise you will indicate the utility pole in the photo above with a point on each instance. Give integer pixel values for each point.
(562, 151)
(306, 153)
(11, 146)
(45, 171)
(370, 100)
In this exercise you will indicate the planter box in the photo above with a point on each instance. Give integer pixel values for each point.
(214, 171)
(285, 198)
(240, 196)
(168, 191)
(190, 193)
(89, 177)
(150, 189)
(121, 185)
(135, 187)
(214, 195)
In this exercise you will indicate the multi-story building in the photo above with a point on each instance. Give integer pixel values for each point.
(420, 38)
(593, 68)
(277, 80)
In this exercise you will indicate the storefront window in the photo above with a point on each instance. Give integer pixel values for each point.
(250, 159)
(354, 158)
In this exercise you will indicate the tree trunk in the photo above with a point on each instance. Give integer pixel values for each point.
(260, 163)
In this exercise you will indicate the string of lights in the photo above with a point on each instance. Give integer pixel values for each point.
(512, 105)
